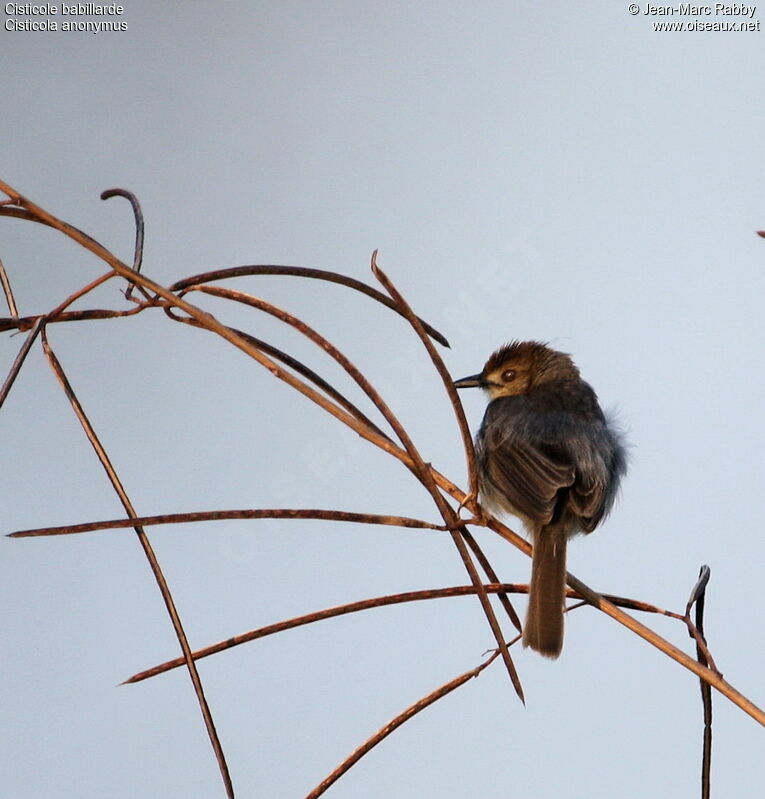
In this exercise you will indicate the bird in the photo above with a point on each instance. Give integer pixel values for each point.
(547, 454)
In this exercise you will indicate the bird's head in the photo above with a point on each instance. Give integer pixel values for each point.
(519, 367)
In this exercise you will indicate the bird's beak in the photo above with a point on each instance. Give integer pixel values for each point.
(469, 382)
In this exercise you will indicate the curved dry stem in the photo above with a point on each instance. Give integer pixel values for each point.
(706, 674)
(295, 365)
(451, 519)
(467, 439)
(321, 615)
(696, 631)
(139, 231)
(221, 515)
(29, 213)
(376, 602)
(393, 724)
(317, 339)
(299, 271)
(61, 307)
(8, 291)
(488, 569)
(406, 311)
(698, 598)
(24, 323)
(151, 557)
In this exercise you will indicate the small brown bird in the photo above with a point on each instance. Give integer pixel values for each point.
(548, 455)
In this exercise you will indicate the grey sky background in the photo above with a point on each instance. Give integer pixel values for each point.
(556, 171)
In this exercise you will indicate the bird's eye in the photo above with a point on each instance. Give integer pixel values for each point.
(508, 375)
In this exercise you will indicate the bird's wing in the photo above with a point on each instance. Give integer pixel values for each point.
(525, 476)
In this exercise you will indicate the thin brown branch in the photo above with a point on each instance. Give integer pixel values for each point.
(298, 271)
(406, 311)
(467, 440)
(492, 575)
(220, 515)
(424, 472)
(8, 291)
(295, 365)
(27, 322)
(394, 724)
(315, 337)
(31, 213)
(61, 307)
(633, 604)
(151, 557)
(368, 604)
(463, 426)
(708, 675)
(20, 358)
(320, 615)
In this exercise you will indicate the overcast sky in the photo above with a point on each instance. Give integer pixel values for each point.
(554, 171)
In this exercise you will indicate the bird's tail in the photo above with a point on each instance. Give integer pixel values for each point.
(543, 630)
